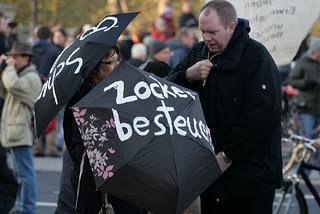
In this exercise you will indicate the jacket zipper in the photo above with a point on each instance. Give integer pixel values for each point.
(80, 176)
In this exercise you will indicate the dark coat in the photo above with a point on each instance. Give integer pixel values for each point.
(241, 101)
(88, 200)
(135, 62)
(158, 68)
(45, 54)
(4, 47)
(306, 78)
(177, 51)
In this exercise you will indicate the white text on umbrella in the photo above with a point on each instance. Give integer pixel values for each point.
(56, 70)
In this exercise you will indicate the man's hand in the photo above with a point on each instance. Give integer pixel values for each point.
(2, 58)
(199, 71)
(223, 161)
(10, 60)
(317, 144)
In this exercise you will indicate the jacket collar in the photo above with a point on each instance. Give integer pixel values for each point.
(27, 69)
(231, 56)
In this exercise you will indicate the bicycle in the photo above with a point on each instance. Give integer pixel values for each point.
(294, 172)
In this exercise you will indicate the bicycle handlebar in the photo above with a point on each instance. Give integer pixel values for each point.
(307, 142)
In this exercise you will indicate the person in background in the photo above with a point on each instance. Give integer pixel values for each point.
(158, 61)
(55, 26)
(240, 92)
(163, 27)
(187, 18)
(125, 44)
(4, 47)
(305, 77)
(181, 45)
(138, 35)
(45, 54)
(12, 30)
(138, 55)
(60, 38)
(20, 85)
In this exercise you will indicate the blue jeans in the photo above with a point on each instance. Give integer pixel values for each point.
(22, 157)
(309, 122)
(59, 129)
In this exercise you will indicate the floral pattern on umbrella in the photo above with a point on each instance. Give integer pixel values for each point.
(95, 135)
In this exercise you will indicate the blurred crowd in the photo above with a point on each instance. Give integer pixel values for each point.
(155, 50)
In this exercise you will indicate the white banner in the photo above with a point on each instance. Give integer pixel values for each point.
(280, 25)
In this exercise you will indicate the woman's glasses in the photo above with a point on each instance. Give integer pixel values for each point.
(117, 61)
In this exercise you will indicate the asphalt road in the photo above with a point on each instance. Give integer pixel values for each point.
(49, 170)
(48, 187)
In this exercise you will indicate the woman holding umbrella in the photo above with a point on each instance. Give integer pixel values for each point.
(88, 198)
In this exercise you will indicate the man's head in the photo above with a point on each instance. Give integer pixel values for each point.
(20, 55)
(187, 36)
(60, 38)
(43, 33)
(185, 8)
(160, 51)
(12, 27)
(314, 49)
(106, 66)
(139, 51)
(217, 22)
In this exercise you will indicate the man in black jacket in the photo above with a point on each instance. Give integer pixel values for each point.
(239, 88)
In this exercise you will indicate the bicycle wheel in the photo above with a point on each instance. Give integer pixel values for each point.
(303, 208)
(285, 202)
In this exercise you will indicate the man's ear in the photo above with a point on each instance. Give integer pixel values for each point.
(231, 27)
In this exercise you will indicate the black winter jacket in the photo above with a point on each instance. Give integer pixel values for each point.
(241, 101)
(88, 199)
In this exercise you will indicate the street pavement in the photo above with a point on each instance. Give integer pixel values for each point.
(49, 171)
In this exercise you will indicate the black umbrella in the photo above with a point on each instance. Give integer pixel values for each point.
(146, 140)
(74, 63)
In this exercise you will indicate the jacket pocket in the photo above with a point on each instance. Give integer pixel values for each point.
(16, 132)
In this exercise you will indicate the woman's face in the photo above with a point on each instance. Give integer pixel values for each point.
(107, 65)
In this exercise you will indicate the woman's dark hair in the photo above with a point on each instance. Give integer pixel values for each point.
(110, 52)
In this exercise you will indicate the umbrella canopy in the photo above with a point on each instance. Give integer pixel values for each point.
(146, 140)
(74, 63)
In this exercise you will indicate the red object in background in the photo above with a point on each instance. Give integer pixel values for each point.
(288, 89)
(51, 126)
(166, 33)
